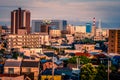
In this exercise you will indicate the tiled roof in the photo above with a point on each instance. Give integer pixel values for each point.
(30, 64)
(82, 54)
(12, 64)
(9, 75)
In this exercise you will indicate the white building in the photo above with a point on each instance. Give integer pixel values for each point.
(80, 29)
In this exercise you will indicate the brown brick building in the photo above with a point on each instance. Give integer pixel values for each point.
(20, 19)
(114, 41)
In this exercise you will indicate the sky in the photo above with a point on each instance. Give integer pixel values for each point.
(75, 11)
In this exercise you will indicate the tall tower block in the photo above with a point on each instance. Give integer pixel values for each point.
(94, 27)
(20, 19)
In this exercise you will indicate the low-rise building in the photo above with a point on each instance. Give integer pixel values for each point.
(55, 33)
(12, 66)
(85, 47)
(30, 40)
(30, 67)
(11, 77)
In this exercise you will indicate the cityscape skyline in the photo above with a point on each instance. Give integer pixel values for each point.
(106, 10)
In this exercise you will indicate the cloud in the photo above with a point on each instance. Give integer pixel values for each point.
(77, 10)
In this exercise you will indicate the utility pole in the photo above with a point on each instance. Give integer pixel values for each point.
(108, 68)
(53, 68)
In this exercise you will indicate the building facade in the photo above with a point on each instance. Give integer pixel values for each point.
(54, 24)
(80, 29)
(114, 41)
(71, 29)
(20, 19)
(88, 27)
(55, 33)
(31, 40)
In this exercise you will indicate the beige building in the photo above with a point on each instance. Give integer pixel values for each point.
(83, 47)
(12, 66)
(80, 29)
(79, 36)
(71, 29)
(94, 30)
(70, 39)
(105, 32)
(31, 40)
(114, 41)
(32, 52)
(55, 33)
(99, 38)
(11, 77)
(30, 66)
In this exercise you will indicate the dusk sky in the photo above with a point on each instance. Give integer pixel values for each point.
(72, 10)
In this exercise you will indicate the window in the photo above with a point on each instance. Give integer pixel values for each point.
(28, 70)
(111, 45)
(11, 70)
(112, 50)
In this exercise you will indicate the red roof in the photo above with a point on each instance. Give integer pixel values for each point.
(82, 54)
(100, 55)
(9, 75)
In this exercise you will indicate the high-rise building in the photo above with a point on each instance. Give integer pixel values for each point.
(88, 27)
(54, 24)
(20, 19)
(94, 27)
(114, 41)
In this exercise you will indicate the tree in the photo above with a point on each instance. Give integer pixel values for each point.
(101, 73)
(88, 72)
(83, 60)
(15, 55)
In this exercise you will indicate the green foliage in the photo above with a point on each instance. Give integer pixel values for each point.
(72, 60)
(2, 51)
(88, 72)
(101, 73)
(87, 40)
(83, 60)
(15, 55)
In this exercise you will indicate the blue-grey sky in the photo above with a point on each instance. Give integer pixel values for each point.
(73, 10)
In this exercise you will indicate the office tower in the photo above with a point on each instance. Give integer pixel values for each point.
(114, 41)
(94, 27)
(54, 24)
(88, 27)
(20, 19)
(45, 28)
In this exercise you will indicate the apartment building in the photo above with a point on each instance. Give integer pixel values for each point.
(114, 41)
(31, 40)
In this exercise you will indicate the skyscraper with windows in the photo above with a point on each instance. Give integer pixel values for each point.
(20, 19)
(114, 41)
(88, 27)
(54, 24)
